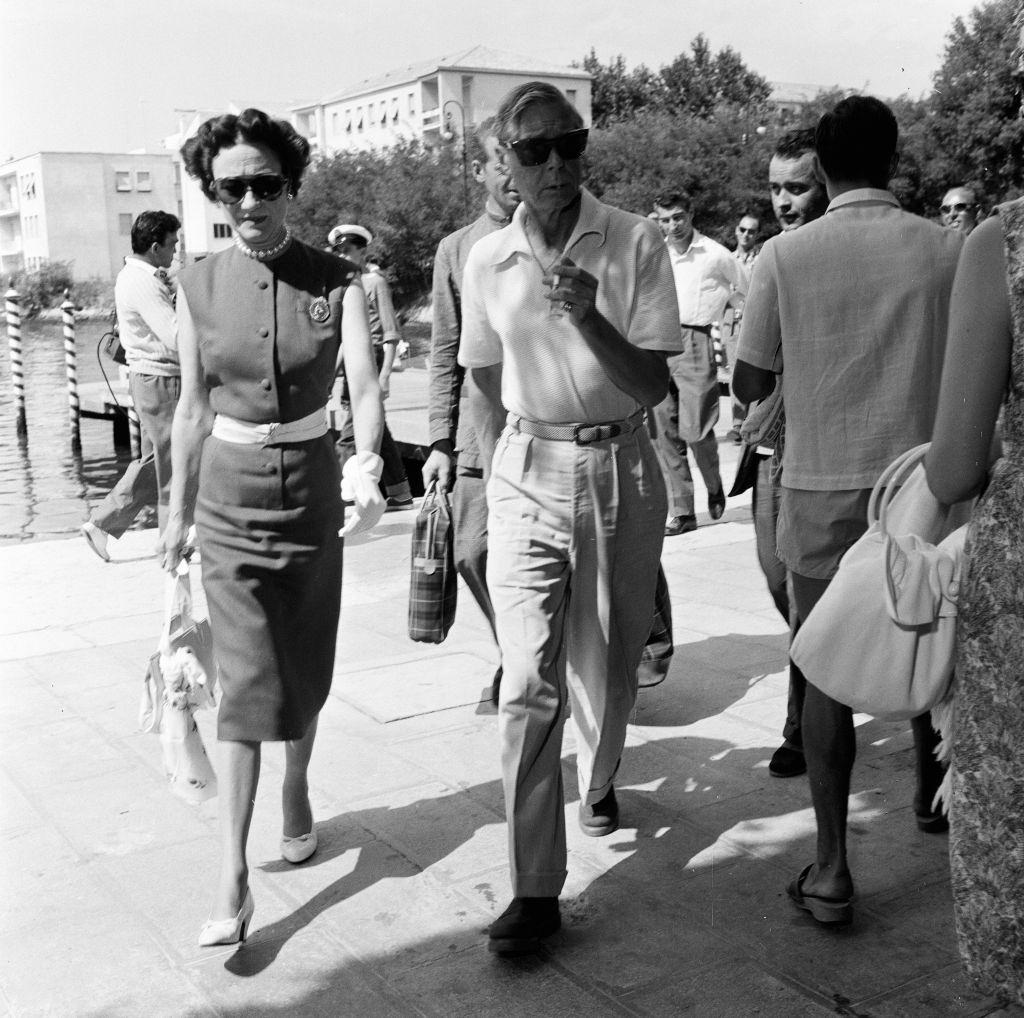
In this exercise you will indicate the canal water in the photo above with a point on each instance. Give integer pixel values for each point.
(46, 492)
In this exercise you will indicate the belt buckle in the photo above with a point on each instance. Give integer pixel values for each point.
(268, 438)
(598, 433)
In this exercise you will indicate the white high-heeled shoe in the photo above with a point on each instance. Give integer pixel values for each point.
(229, 931)
(296, 850)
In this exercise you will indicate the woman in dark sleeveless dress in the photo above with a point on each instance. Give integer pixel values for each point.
(262, 326)
(983, 372)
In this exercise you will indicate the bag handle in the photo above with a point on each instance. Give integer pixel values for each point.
(886, 487)
(177, 604)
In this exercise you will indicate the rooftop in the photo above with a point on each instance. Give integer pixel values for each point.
(476, 58)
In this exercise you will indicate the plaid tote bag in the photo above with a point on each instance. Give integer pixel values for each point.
(433, 582)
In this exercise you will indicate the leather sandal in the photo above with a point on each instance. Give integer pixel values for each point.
(827, 911)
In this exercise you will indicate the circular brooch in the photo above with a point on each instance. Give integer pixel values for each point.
(319, 310)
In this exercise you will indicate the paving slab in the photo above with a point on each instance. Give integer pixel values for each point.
(105, 877)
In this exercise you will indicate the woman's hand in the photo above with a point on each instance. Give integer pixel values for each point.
(173, 545)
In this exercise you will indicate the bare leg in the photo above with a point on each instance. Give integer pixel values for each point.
(830, 747)
(237, 781)
(295, 808)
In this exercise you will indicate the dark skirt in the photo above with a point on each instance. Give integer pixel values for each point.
(267, 519)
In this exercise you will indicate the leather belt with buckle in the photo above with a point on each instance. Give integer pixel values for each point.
(580, 434)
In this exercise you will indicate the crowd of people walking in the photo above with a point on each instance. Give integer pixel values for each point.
(573, 369)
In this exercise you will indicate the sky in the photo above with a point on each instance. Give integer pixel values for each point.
(110, 75)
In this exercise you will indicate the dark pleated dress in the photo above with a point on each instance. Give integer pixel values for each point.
(267, 517)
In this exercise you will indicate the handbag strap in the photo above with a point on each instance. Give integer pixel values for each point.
(886, 487)
(177, 604)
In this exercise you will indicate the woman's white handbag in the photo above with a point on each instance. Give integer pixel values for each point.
(882, 639)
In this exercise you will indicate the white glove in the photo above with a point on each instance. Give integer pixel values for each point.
(360, 484)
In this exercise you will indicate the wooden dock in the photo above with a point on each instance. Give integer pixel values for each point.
(406, 408)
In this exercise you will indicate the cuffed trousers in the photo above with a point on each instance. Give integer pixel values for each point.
(575, 535)
(147, 479)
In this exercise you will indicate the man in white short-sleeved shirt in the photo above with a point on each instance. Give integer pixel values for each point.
(855, 305)
(568, 315)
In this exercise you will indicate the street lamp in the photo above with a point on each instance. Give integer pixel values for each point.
(448, 134)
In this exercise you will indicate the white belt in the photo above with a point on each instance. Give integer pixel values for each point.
(230, 429)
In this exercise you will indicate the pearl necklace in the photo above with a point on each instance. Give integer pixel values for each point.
(264, 256)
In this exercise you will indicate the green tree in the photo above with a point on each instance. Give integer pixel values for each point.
(699, 83)
(409, 196)
(718, 160)
(975, 131)
(616, 93)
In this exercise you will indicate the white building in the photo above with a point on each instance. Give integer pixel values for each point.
(78, 207)
(445, 94)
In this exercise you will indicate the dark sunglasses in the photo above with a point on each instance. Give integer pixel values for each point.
(537, 151)
(264, 187)
(958, 207)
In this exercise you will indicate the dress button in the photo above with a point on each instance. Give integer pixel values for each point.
(265, 383)
(264, 331)
(262, 284)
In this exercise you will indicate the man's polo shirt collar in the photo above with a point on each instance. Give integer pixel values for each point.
(697, 243)
(863, 195)
(512, 240)
(140, 263)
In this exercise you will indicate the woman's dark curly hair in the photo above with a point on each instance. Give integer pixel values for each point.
(255, 128)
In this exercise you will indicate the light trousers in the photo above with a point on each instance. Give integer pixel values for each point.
(575, 535)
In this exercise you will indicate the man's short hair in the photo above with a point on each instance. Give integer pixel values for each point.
(794, 144)
(522, 97)
(151, 228)
(476, 142)
(857, 140)
(674, 199)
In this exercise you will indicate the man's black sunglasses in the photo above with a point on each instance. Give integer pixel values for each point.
(960, 206)
(264, 187)
(537, 151)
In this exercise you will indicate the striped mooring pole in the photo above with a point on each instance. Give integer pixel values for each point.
(134, 433)
(67, 310)
(12, 306)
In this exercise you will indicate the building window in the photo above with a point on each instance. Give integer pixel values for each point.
(123, 180)
(334, 123)
(28, 185)
(143, 180)
(394, 108)
(124, 224)
(177, 176)
(412, 103)
(359, 118)
(221, 231)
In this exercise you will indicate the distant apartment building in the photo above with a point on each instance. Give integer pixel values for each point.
(78, 207)
(428, 100)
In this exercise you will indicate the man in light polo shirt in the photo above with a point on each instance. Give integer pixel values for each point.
(149, 334)
(706, 275)
(568, 316)
(960, 209)
(852, 310)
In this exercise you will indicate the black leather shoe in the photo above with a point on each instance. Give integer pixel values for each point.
(716, 504)
(600, 818)
(522, 926)
(787, 763)
(680, 525)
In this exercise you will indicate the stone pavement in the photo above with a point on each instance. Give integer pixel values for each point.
(105, 877)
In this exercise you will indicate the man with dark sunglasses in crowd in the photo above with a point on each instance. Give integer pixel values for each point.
(959, 210)
(569, 314)
(454, 458)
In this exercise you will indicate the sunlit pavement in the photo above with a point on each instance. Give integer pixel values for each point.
(107, 877)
